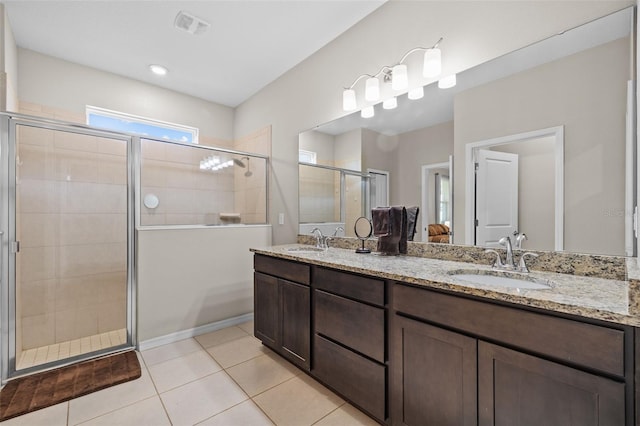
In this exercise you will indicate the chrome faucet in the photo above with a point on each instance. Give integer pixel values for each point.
(338, 229)
(321, 240)
(519, 239)
(522, 266)
(509, 264)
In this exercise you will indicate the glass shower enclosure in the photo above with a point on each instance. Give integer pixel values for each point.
(67, 222)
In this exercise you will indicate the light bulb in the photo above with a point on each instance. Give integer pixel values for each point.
(416, 93)
(390, 103)
(372, 89)
(367, 112)
(158, 69)
(447, 82)
(399, 78)
(349, 100)
(432, 63)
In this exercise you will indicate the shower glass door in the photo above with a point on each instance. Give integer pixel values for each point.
(69, 244)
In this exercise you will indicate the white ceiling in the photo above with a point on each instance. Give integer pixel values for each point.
(249, 43)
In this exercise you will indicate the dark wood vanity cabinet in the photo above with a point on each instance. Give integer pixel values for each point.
(517, 388)
(458, 361)
(282, 308)
(434, 380)
(349, 342)
(409, 355)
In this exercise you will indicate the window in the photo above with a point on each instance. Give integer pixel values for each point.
(122, 122)
(306, 156)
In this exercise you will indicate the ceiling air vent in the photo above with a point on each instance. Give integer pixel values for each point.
(191, 24)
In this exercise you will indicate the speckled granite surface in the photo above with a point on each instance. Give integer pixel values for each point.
(610, 267)
(614, 300)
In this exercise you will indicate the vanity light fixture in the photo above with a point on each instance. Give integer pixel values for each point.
(158, 69)
(399, 77)
(372, 89)
(416, 93)
(349, 100)
(390, 103)
(367, 112)
(397, 74)
(447, 82)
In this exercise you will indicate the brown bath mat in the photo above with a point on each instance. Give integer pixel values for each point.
(30, 393)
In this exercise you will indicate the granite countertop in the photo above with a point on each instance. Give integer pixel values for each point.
(598, 298)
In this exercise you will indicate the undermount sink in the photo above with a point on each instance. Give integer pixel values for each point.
(501, 279)
(305, 249)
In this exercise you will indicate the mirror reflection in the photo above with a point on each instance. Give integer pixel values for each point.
(578, 199)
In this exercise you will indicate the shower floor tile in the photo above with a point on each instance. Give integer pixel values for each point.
(62, 350)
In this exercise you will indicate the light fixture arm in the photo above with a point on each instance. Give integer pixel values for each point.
(419, 49)
(386, 68)
(360, 77)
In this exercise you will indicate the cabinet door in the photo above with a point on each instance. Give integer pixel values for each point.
(266, 308)
(296, 307)
(515, 389)
(434, 375)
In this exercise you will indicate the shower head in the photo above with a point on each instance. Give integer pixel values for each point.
(239, 162)
(248, 172)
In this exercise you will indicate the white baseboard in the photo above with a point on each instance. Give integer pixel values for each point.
(192, 332)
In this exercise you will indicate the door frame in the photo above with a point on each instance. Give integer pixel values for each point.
(380, 172)
(470, 192)
(426, 196)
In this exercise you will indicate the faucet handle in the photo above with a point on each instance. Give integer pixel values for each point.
(326, 242)
(522, 266)
(498, 262)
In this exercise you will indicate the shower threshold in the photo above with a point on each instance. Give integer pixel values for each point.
(62, 350)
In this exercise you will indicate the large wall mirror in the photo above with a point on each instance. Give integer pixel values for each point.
(561, 109)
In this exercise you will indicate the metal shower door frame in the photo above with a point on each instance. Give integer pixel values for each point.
(8, 148)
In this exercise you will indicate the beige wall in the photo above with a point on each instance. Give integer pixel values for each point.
(310, 93)
(422, 147)
(320, 143)
(45, 80)
(203, 276)
(10, 65)
(586, 93)
(379, 152)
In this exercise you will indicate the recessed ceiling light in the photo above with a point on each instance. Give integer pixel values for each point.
(158, 69)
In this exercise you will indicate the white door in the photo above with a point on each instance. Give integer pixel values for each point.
(496, 196)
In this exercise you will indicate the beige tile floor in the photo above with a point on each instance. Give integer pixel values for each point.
(41, 355)
(224, 378)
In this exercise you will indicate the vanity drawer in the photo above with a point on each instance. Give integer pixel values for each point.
(357, 287)
(355, 325)
(286, 269)
(574, 342)
(355, 377)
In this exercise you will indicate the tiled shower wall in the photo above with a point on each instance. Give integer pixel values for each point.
(190, 196)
